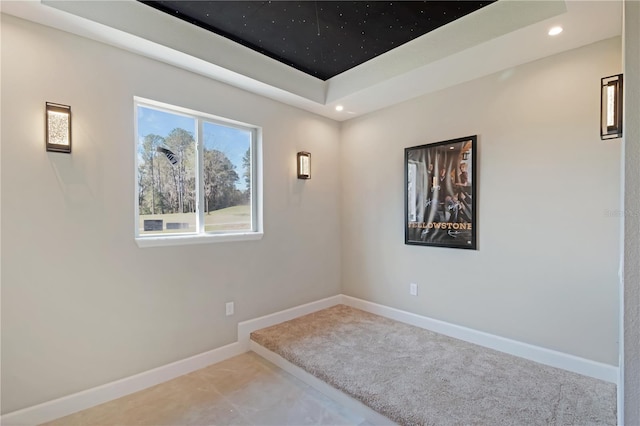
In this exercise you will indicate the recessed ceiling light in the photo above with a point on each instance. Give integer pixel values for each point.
(339, 107)
(555, 31)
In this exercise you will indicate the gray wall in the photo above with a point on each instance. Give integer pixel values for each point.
(630, 335)
(546, 271)
(82, 305)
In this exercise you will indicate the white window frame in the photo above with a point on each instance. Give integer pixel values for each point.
(202, 237)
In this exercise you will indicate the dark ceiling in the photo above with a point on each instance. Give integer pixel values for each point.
(320, 38)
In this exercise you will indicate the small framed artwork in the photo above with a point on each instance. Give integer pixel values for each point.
(440, 194)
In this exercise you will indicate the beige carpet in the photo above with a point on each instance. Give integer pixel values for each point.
(417, 377)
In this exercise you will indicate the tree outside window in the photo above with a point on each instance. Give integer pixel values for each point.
(195, 173)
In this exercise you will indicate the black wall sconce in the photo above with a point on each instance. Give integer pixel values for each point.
(611, 107)
(58, 127)
(304, 165)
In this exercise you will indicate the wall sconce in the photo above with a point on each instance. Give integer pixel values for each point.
(58, 127)
(611, 107)
(304, 165)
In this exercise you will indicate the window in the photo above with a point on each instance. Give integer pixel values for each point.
(196, 177)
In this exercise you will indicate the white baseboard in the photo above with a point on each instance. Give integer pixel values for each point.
(538, 354)
(83, 400)
(372, 417)
(70, 404)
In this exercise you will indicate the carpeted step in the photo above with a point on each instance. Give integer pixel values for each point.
(417, 377)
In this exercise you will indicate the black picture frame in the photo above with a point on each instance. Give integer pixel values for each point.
(440, 195)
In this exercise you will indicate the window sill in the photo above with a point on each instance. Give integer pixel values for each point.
(183, 240)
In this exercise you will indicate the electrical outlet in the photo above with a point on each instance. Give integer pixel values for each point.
(229, 308)
(413, 289)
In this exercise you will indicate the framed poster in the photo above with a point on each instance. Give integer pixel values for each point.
(440, 194)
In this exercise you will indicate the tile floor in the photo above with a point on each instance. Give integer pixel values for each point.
(244, 390)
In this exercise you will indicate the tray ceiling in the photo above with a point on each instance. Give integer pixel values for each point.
(495, 38)
(320, 38)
